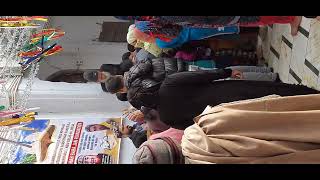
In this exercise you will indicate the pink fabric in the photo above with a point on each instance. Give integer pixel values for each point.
(175, 134)
(266, 20)
(185, 56)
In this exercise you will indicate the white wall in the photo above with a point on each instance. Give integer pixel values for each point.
(61, 97)
(78, 44)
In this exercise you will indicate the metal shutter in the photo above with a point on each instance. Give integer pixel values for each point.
(114, 31)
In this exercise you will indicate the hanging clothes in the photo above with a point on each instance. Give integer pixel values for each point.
(143, 36)
(264, 20)
(150, 46)
(227, 20)
(191, 20)
(159, 29)
(191, 34)
(169, 27)
(213, 20)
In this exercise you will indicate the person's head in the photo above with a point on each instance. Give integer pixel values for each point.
(90, 159)
(152, 118)
(122, 96)
(131, 48)
(95, 127)
(159, 151)
(126, 131)
(115, 84)
(129, 56)
(150, 114)
(96, 76)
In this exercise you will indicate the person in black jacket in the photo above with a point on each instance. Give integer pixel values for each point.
(183, 96)
(144, 79)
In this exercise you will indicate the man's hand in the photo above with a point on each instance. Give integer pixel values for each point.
(237, 74)
(136, 116)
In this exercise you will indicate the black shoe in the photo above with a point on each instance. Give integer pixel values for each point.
(278, 79)
(271, 69)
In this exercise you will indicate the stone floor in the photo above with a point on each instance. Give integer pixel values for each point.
(296, 59)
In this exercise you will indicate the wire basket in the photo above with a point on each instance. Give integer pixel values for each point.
(12, 40)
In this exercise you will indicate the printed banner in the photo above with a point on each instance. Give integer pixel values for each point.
(62, 141)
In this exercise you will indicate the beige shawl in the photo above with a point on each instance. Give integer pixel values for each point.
(266, 130)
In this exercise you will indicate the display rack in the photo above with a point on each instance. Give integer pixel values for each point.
(11, 42)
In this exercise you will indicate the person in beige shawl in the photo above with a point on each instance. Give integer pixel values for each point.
(269, 130)
(162, 150)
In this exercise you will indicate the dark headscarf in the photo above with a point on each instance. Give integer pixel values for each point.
(216, 20)
(159, 29)
(122, 96)
(138, 18)
(131, 48)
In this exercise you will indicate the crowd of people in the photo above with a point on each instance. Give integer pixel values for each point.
(197, 100)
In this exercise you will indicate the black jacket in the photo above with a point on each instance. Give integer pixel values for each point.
(185, 95)
(143, 80)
